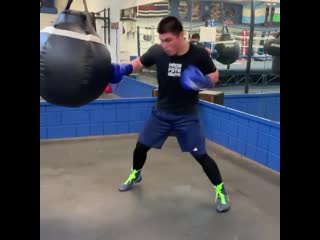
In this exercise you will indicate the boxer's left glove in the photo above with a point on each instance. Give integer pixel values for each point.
(119, 70)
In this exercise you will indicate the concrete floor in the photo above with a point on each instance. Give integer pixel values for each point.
(80, 198)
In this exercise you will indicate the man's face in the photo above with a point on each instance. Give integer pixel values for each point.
(171, 42)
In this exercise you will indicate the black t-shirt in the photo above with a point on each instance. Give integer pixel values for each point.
(171, 96)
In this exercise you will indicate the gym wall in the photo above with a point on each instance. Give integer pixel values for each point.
(260, 12)
(251, 136)
(261, 105)
(93, 5)
(130, 87)
(248, 135)
(46, 19)
(101, 117)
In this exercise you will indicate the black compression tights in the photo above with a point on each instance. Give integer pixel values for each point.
(208, 164)
(139, 155)
(210, 167)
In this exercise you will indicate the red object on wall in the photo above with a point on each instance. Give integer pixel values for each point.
(108, 89)
(244, 43)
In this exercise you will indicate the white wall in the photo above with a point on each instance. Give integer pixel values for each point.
(129, 44)
(121, 47)
(46, 19)
(93, 6)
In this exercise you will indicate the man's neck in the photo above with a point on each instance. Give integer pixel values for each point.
(184, 48)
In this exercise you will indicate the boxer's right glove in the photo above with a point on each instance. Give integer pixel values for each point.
(193, 79)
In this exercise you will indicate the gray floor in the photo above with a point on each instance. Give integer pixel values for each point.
(174, 201)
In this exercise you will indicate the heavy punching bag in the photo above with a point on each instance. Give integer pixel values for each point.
(75, 65)
(228, 49)
(272, 47)
(275, 64)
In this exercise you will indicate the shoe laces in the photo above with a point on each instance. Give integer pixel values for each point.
(220, 193)
(132, 176)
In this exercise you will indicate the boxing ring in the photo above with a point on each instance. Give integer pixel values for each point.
(234, 74)
(80, 198)
(260, 72)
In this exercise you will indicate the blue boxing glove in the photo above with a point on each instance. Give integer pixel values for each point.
(193, 79)
(119, 70)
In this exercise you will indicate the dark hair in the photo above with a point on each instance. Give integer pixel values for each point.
(195, 35)
(170, 24)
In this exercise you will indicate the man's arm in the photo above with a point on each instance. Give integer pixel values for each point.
(136, 65)
(208, 50)
(123, 69)
(214, 76)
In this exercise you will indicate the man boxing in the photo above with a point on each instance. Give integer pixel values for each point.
(182, 70)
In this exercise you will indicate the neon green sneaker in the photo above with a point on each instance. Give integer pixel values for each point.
(134, 177)
(222, 199)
